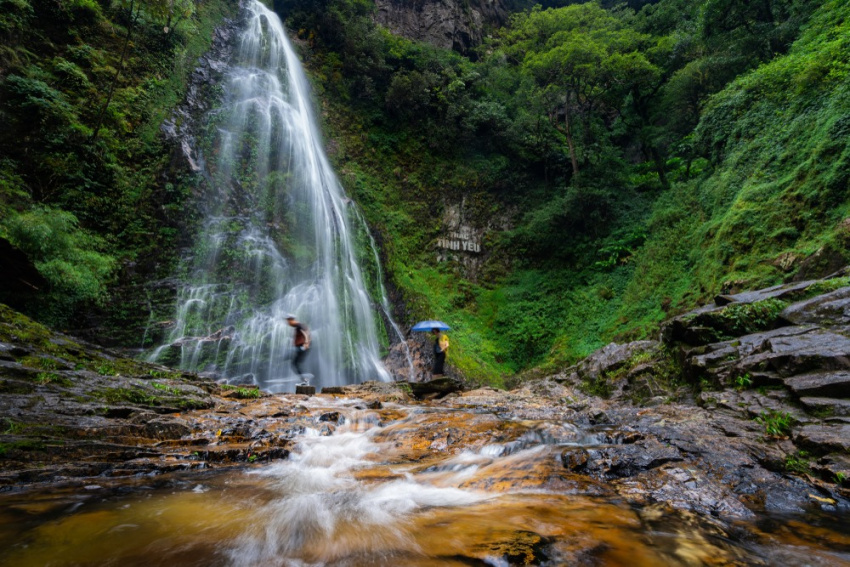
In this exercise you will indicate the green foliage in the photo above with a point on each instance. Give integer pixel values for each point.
(52, 378)
(743, 382)
(799, 462)
(825, 286)
(167, 389)
(744, 318)
(242, 392)
(69, 258)
(132, 395)
(99, 204)
(776, 423)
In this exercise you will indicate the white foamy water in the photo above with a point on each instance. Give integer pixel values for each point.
(279, 236)
(324, 513)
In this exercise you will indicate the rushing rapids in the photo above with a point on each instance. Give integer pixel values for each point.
(279, 236)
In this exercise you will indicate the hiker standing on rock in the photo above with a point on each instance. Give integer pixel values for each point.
(441, 345)
(301, 342)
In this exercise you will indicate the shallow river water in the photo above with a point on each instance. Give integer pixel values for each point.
(413, 486)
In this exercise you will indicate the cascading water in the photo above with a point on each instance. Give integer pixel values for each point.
(280, 236)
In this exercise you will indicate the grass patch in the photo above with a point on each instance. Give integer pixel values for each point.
(242, 392)
(776, 423)
(45, 378)
(136, 396)
(168, 389)
(799, 462)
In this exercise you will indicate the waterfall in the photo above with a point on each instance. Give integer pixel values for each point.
(279, 236)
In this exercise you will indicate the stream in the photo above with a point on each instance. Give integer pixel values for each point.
(403, 485)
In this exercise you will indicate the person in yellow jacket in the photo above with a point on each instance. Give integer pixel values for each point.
(441, 345)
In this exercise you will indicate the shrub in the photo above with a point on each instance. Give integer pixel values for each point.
(68, 257)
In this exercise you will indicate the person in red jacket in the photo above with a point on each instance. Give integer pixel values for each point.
(301, 342)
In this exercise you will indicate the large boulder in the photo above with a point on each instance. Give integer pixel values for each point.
(620, 370)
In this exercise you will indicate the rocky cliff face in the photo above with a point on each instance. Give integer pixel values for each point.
(451, 24)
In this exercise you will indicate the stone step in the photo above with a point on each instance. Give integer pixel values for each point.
(827, 406)
(829, 309)
(823, 438)
(821, 384)
(818, 351)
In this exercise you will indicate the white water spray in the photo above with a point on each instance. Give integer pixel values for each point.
(279, 236)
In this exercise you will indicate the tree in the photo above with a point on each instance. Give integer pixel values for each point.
(585, 62)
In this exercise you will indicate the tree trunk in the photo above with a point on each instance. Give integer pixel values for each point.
(570, 143)
(659, 166)
(102, 114)
(568, 133)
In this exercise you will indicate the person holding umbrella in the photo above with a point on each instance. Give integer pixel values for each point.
(441, 342)
(441, 345)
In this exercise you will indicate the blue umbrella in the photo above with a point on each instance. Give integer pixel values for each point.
(428, 325)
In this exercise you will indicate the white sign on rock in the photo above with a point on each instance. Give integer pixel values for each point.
(460, 241)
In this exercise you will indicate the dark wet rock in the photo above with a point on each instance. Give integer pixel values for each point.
(575, 459)
(827, 262)
(824, 438)
(631, 371)
(70, 409)
(821, 384)
(330, 416)
(684, 488)
(183, 126)
(517, 548)
(712, 324)
(749, 404)
(435, 388)
(790, 355)
(629, 460)
(772, 355)
(605, 360)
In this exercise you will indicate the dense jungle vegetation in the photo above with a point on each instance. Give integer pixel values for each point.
(88, 188)
(626, 160)
(646, 160)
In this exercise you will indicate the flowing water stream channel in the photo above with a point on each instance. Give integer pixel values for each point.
(400, 485)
